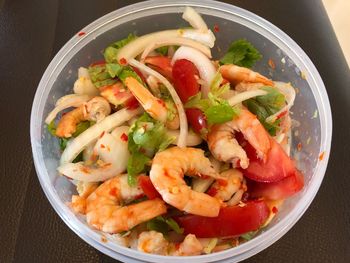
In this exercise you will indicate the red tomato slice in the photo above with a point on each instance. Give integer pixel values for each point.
(148, 188)
(186, 85)
(161, 64)
(278, 165)
(278, 190)
(232, 221)
(197, 119)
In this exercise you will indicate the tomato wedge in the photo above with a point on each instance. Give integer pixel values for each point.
(147, 187)
(232, 221)
(277, 166)
(278, 190)
(161, 64)
(186, 85)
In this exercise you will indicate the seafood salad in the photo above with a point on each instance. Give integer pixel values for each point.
(174, 152)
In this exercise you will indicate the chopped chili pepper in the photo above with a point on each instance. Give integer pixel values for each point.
(321, 156)
(81, 33)
(272, 63)
(274, 209)
(122, 61)
(124, 137)
(299, 146)
(216, 28)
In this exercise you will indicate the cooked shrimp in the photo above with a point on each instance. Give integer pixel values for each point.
(112, 150)
(248, 86)
(224, 146)
(225, 189)
(95, 109)
(236, 74)
(156, 107)
(189, 247)
(116, 94)
(79, 201)
(152, 242)
(167, 172)
(105, 212)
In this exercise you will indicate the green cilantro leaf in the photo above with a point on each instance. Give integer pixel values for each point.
(164, 225)
(163, 50)
(52, 128)
(146, 137)
(249, 235)
(266, 105)
(241, 53)
(220, 113)
(216, 109)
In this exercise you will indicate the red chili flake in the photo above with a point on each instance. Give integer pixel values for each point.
(124, 137)
(104, 239)
(205, 176)
(102, 146)
(161, 102)
(216, 28)
(212, 191)
(81, 33)
(222, 182)
(122, 61)
(299, 146)
(274, 210)
(271, 63)
(281, 114)
(64, 113)
(321, 156)
(177, 245)
(113, 191)
(101, 135)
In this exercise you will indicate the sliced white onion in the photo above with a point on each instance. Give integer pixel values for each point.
(176, 99)
(179, 41)
(246, 95)
(289, 92)
(203, 64)
(207, 38)
(84, 85)
(192, 139)
(92, 133)
(194, 19)
(111, 149)
(136, 46)
(65, 102)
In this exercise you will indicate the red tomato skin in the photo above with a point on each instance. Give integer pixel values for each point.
(161, 64)
(185, 82)
(277, 190)
(186, 85)
(197, 119)
(231, 221)
(148, 188)
(277, 166)
(139, 73)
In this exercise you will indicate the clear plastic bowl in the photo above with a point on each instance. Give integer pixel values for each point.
(311, 109)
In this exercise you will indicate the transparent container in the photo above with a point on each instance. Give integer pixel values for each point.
(311, 109)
